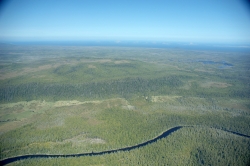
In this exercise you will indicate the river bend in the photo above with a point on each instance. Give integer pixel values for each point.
(162, 135)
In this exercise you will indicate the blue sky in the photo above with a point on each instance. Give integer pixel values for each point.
(164, 20)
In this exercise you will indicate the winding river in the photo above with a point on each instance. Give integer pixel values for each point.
(164, 134)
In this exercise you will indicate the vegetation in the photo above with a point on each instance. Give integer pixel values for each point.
(189, 146)
(65, 100)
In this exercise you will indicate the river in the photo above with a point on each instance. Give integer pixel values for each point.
(163, 135)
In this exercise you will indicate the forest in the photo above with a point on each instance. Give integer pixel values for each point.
(82, 99)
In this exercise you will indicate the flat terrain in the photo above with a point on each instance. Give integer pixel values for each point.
(68, 100)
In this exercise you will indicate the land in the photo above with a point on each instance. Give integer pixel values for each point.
(69, 100)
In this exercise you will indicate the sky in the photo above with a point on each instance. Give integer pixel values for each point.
(156, 20)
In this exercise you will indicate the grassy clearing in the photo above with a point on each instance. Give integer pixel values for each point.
(215, 85)
(15, 114)
(164, 98)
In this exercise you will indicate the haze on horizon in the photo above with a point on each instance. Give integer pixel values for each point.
(221, 21)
